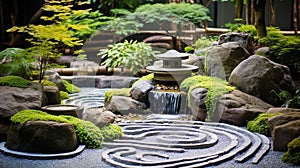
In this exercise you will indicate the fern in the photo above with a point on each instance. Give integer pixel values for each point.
(15, 62)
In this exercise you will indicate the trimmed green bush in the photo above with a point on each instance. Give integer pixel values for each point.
(111, 132)
(293, 153)
(70, 88)
(260, 123)
(87, 132)
(216, 87)
(14, 81)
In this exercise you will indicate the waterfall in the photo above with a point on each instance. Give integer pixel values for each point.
(165, 102)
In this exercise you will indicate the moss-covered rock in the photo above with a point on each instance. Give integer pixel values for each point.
(64, 95)
(87, 132)
(293, 153)
(47, 83)
(149, 77)
(260, 123)
(125, 91)
(70, 88)
(14, 81)
(215, 86)
(116, 92)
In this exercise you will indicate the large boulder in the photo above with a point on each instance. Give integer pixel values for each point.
(14, 99)
(42, 137)
(197, 103)
(55, 78)
(99, 117)
(125, 105)
(235, 108)
(140, 91)
(222, 59)
(244, 39)
(262, 78)
(52, 94)
(284, 128)
(238, 108)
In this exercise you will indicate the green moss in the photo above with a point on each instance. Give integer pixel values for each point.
(215, 86)
(46, 83)
(35, 115)
(149, 77)
(111, 132)
(64, 95)
(70, 88)
(87, 132)
(14, 81)
(116, 92)
(293, 153)
(260, 123)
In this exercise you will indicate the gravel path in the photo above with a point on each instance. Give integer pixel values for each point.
(91, 158)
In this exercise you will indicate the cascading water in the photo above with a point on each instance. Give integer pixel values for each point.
(165, 102)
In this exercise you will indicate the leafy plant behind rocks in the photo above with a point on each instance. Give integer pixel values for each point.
(129, 54)
(15, 62)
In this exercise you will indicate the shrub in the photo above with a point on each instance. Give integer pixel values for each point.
(14, 81)
(293, 153)
(129, 54)
(215, 86)
(70, 88)
(260, 123)
(173, 12)
(285, 48)
(15, 62)
(87, 132)
(111, 132)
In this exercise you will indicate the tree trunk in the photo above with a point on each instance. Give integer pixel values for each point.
(273, 13)
(247, 12)
(239, 9)
(259, 8)
(295, 20)
(252, 14)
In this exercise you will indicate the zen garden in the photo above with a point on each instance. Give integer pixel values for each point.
(149, 83)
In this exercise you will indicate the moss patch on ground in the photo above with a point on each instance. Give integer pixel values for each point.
(293, 153)
(260, 123)
(87, 132)
(216, 87)
(14, 81)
